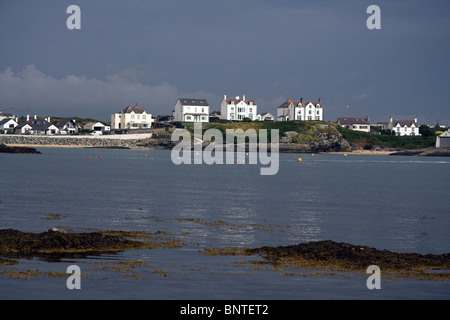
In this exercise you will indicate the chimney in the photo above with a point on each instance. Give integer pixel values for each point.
(48, 119)
(28, 117)
(224, 97)
(415, 119)
(319, 100)
(35, 117)
(390, 119)
(289, 100)
(243, 97)
(237, 97)
(301, 100)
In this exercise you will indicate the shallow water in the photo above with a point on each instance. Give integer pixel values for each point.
(387, 202)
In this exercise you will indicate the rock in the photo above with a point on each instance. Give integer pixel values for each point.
(5, 149)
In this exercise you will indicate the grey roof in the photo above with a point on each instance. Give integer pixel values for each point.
(2, 122)
(348, 120)
(135, 109)
(193, 102)
(61, 123)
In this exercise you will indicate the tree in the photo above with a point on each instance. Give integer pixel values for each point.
(426, 131)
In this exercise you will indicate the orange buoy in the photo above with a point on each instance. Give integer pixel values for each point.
(299, 159)
(89, 157)
(99, 157)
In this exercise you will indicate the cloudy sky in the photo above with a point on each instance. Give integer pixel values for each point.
(153, 52)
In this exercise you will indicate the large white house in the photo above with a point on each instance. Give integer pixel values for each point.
(404, 127)
(191, 110)
(132, 117)
(300, 110)
(238, 109)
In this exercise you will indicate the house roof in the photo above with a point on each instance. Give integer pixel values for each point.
(403, 123)
(296, 103)
(36, 124)
(247, 101)
(193, 102)
(61, 123)
(135, 109)
(2, 122)
(348, 120)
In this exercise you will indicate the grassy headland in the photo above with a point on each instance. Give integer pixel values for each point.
(315, 133)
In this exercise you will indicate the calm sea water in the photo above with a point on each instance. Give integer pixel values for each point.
(388, 202)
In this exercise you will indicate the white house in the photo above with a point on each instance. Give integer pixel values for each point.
(404, 127)
(300, 110)
(238, 109)
(357, 124)
(265, 116)
(67, 125)
(443, 140)
(8, 124)
(191, 110)
(37, 126)
(94, 126)
(132, 117)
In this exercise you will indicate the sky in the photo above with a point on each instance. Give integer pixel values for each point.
(152, 52)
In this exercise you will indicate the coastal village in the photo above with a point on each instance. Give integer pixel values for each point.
(138, 120)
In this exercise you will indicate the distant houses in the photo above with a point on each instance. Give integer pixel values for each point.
(36, 126)
(300, 110)
(404, 127)
(132, 117)
(238, 109)
(357, 124)
(191, 110)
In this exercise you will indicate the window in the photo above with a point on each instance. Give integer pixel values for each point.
(144, 116)
(250, 110)
(132, 116)
(309, 112)
(309, 118)
(203, 110)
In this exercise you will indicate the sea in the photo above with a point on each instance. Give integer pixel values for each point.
(397, 203)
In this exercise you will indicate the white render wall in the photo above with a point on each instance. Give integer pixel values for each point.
(131, 120)
(237, 111)
(191, 113)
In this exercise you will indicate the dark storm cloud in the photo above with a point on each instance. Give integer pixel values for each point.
(152, 52)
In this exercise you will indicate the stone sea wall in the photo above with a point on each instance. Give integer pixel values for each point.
(63, 141)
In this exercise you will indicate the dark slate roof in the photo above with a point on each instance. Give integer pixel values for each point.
(61, 123)
(193, 102)
(348, 120)
(135, 109)
(36, 124)
(2, 122)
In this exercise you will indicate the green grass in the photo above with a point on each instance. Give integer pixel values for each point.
(308, 130)
(405, 142)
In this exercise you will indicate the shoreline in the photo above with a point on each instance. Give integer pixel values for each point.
(354, 152)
